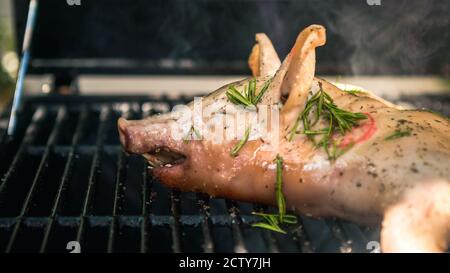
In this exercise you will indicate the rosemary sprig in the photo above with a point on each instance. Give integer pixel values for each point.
(261, 92)
(273, 221)
(354, 92)
(236, 97)
(248, 97)
(235, 151)
(281, 202)
(339, 120)
(288, 218)
(398, 134)
(272, 224)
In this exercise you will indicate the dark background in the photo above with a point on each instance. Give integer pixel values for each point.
(215, 36)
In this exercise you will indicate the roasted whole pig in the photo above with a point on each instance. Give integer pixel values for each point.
(344, 154)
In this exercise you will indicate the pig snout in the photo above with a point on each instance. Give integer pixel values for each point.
(142, 136)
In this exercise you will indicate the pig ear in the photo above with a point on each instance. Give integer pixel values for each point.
(263, 60)
(296, 74)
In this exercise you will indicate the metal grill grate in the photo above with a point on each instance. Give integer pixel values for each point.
(65, 178)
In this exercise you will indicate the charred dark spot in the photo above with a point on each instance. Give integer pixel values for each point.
(398, 153)
(402, 121)
(373, 174)
(358, 184)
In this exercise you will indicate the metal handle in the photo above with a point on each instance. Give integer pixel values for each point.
(31, 19)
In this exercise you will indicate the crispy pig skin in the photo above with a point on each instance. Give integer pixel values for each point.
(375, 179)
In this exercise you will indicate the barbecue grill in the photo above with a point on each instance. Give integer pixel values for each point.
(65, 179)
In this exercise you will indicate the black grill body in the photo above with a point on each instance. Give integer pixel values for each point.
(64, 177)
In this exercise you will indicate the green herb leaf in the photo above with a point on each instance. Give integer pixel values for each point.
(273, 221)
(339, 120)
(248, 96)
(281, 202)
(262, 92)
(288, 218)
(272, 227)
(354, 92)
(317, 132)
(238, 147)
(399, 134)
(237, 98)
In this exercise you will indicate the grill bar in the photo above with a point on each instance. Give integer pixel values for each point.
(175, 223)
(304, 243)
(337, 232)
(118, 194)
(236, 223)
(146, 203)
(104, 115)
(31, 132)
(62, 112)
(267, 236)
(65, 177)
(146, 200)
(175, 209)
(271, 242)
(203, 202)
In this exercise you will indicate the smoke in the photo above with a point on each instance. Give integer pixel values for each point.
(216, 36)
(396, 37)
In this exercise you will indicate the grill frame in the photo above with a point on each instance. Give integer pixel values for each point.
(222, 225)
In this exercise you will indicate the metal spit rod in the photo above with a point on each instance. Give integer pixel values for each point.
(31, 19)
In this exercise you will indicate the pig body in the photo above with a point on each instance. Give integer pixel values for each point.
(376, 179)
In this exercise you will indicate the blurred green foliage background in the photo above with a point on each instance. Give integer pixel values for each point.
(6, 45)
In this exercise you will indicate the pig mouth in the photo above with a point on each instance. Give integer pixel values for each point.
(164, 157)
